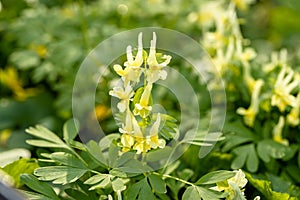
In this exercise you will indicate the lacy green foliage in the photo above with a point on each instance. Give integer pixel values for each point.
(46, 45)
(98, 170)
(250, 149)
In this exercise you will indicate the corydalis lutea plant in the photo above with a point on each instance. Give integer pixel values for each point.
(142, 135)
(99, 171)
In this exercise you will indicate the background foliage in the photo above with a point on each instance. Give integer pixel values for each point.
(43, 44)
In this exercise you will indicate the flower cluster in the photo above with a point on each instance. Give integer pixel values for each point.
(273, 86)
(234, 186)
(140, 126)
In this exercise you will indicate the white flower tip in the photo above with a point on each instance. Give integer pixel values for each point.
(241, 111)
(140, 41)
(153, 41)
(128, 49)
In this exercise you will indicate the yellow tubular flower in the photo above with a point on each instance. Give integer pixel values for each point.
(127, 142)
(250, 113)
(293, 116)
(153, 138)
(283, 86)
(239, 179)
(124, 94)
(238, 182)
(132, 70)
(155, 71)
(138, 61)
(9, 77)
(131, 132)
(277, 132)
(141, 145)
(142, 108)
(278, 59)
(127, 127)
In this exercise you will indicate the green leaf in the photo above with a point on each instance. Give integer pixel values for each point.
(240, 158)
(267, 149)
(158, 154)
(124, 158)
(245, 154)
(25, 59)
(235, 140)
(185, 174)
(117, 172)
(96, 152)
(67, 159)
(107, 140)
(238, 128)
(133, 191)
(118, 185)
(22, 166)
(75, 194)
(191, 193)
(44, 143)
(38, 186)
(96, 179)
(102, 184)
(70, 130)
(208, 194)
(113, 154)
(157, 183)
(59, 174)
(140, 191)
(252, 161)
(34, 196)
(77, 145)
(198, 193)
(44, 133)
(135, 166)
(145, 191)
(215, 176)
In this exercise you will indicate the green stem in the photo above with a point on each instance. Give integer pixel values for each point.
(175, 178)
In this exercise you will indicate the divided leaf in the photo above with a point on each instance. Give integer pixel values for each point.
(44, 133)
(157, 183)
(70, 130)
(67, 159)
(268, 149)
(38, 186)
(59, 174)
(140, 191)
(99, 181)
(198, 193)
(245, 154)
(215, 177)
(96, 152)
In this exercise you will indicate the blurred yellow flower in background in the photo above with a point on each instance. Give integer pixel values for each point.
(283, 87)
(277, 132)
(250, 113)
